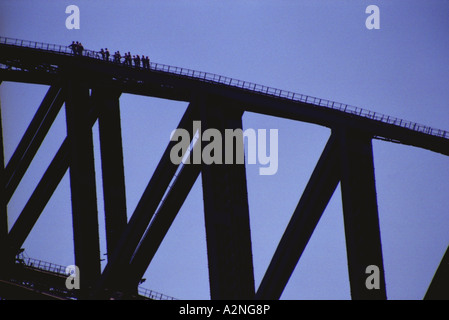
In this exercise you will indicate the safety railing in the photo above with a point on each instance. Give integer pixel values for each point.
(253, 87)
(45, 266)
(47, 47)
(62, 270)
(153, 294)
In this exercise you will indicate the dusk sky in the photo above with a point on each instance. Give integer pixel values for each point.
(319, 48)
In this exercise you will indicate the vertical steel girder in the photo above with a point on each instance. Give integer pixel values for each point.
(316, 196)
(42, 194)
(32, 139)
(226, 212)
(4, 262)
(114, 275)
(439, 287)
(361, 221)
(82, 184)
(113, 174)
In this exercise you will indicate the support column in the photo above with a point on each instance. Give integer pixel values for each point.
(313, 202)
(226, 213)
(82, 184)
(5, 262)
(112, 165)
(358, 188)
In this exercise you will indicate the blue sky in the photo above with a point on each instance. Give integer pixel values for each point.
(318, 48)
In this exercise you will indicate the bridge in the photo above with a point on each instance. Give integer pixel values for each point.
(90, 88)
(35, 279)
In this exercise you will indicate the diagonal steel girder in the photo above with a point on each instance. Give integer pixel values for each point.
(316, 196)
(32, 139)
(162, 221)
(112, 277)
(348, 158)
(42, 193)
(439, 287)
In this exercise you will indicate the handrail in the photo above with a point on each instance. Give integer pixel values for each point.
(249, 86)
(61, 270)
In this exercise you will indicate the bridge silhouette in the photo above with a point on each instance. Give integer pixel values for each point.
(90, 88)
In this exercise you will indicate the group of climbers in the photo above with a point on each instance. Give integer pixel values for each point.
(139, 61)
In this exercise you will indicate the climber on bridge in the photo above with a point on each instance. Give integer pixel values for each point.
(77, 48)
(128, 58)
(80, 49)
(117, 56)
(73, 47)
(106, 54)
(137, 61)
(145, 62)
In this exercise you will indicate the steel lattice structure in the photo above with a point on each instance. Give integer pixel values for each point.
(90, 89)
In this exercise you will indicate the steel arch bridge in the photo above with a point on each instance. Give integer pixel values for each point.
(90, 87)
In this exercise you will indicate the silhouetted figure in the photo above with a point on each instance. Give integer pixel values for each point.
(117, 57)
(107, 54)
(145, 62)
(73, 47)
(102, 54)
(80, 49)
(125, 60)
(136, 61)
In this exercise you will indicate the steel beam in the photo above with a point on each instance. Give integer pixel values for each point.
(361, 221)
(5, 263)
(176, 87)
(112, 277)
(439, 287)
(162, 221)
(112, 165)
(226, 213)
(313, 202)
(32, 139)
(82, 183)
(16, 291)
(41, 194)
(39, 199)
